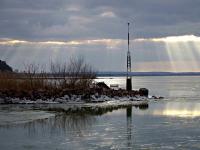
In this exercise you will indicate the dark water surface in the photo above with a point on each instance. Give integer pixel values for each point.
(172, 123)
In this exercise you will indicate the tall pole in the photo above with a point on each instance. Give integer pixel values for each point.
(128, 78)
(128, 36)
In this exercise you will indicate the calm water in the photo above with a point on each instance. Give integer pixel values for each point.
(172, 123)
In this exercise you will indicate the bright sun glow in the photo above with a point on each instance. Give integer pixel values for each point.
(107, 42)
(173, 39)
(180, 49)
(179, 53)
(183, 52)
(185, 38)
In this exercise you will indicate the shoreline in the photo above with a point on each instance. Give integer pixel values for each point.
(75, 99)
(98, 94)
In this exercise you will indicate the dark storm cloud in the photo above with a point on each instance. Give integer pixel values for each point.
(91, 19)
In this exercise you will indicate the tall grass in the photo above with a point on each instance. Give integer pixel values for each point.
(74, 75)
(13, 81)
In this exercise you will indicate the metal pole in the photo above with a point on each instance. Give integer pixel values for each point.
(128, 79)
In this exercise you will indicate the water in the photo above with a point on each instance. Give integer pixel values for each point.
(172, 123)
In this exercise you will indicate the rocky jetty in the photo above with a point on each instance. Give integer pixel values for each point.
(100, 92)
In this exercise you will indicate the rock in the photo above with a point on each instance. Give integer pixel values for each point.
(155, 97)
(59, 100)
(93, 97)
(143, 92)
(39, 101)
(86, 97)
(66, 97)
(102, 85)
(73, 97)
(105, 98)
(2, 101)
(78, 99)
(8, 100)
(15, 100)
(96, 95)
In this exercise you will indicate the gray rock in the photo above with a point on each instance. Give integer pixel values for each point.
(144, 92)
(2, 101)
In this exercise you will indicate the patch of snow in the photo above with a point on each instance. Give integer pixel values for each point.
(66, 97)
(39, 101)
(15, 100)
(93, 97)
(60, 100)
(78, 99)
(26, 101)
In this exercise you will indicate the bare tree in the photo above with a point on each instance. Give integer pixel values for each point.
(80, 73)
(59, 72)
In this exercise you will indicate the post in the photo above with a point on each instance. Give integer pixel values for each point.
(128, 78)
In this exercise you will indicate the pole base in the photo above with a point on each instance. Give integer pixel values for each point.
(128, 84)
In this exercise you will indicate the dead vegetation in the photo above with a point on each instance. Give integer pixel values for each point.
(75, 75)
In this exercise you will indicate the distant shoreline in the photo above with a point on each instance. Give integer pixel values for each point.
(122, 74)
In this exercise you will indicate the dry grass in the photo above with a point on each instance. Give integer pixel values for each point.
(13, 81)
(76, 75)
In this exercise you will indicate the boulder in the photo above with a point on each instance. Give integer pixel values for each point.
(2, 101)
(102, 85)
(86, 97)
(143, 92)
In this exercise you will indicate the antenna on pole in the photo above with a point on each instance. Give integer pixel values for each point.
(128, 35)
(128, 77)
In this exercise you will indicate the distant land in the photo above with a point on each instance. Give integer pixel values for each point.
(118, 74)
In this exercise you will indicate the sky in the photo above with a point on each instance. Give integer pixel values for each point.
(165, 34)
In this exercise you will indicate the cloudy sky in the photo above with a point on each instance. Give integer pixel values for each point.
(165, 34)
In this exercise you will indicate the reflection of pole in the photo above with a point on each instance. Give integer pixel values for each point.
(129, 127)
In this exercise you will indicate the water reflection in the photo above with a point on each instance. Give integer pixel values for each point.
(82, 118)
(179, 109)
(94, 110)
(58, 116)
(185, 113)
(129, 127)
(84, 125)
(61, 124)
